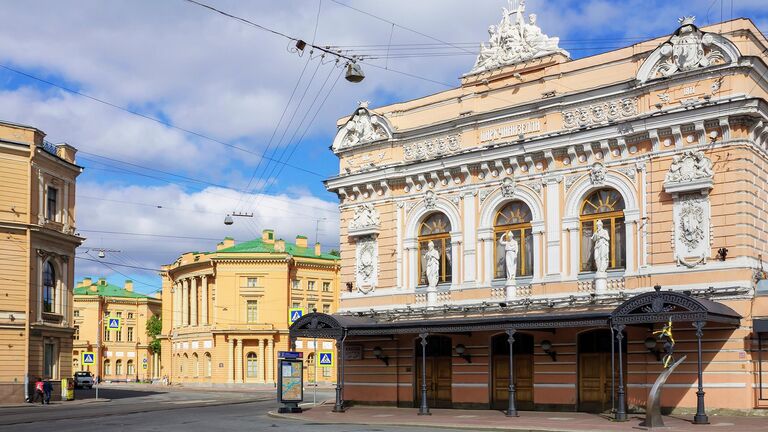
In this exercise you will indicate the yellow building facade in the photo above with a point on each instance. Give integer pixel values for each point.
(37, 249)
(120, 355)
(226, 312)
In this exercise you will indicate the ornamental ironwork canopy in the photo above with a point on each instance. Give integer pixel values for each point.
(662, 306)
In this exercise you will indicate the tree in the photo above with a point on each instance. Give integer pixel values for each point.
(154, 328)
(334, 252)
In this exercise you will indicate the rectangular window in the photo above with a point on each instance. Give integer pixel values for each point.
(252, 282)
(295, 305)
(326, 308)
(310, 285)
(310, 307)
(296, 284)
(252, 308)
(77, 333)
(130, 315)
(326, 372)
(76, 313)
(106, 333)
(49, 360)
(119, 314)
(326, 287)
(119, 335)
(130, 334)
(51, 207)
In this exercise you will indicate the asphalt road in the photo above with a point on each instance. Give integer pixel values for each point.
(167, 411)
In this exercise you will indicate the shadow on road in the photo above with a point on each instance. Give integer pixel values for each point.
(113, 393)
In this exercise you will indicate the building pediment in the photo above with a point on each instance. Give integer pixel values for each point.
(363, 127)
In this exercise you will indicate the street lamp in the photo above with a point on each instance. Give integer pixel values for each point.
(354, 73)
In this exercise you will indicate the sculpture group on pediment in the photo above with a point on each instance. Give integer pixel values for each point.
(514, 40)
(365, 216)
(362, 128)
(691, 165)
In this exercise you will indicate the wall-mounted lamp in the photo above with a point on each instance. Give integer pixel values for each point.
(722, 253)
(546, 345)
(461, 350)
(379, 354)
(650, 344)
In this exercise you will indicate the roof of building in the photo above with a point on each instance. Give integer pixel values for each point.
(105, 289)
(260, 246)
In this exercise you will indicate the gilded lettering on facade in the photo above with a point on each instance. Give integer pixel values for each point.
(511, 130)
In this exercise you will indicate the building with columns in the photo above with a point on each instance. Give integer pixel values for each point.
(121, 355)
(37, 250)
(226, 312)
(519, 242)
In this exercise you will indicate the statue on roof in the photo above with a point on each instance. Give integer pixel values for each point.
(514, 41)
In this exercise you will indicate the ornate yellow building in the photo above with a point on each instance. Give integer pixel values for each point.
(497, 237)
(226, 312)
(37, 249)
(124, 354)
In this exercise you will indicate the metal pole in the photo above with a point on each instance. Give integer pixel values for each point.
(621, 411)
(314, 395)
(760, 363)
(339, 406)
(613, 372)
(511, 408)
(701, 415)
(424, 408)
(98, 353)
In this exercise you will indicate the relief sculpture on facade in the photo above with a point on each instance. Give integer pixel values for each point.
(365, 216)
(432, 147)
(366, 264)
(691, 165)
(600, 112)
(362, 128)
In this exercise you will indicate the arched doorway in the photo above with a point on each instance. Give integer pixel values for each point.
(438, 372)
(523, 376)
(595, 376)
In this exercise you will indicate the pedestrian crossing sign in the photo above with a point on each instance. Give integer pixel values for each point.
(294, 314)
(326, 359)
(89, 358)
(114, 323)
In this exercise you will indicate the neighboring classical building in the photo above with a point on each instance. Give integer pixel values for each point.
(226, 312)
(124, 354)
(544, 199)
(37, 249)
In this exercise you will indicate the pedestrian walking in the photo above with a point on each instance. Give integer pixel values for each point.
(39, 391)
(47, 390)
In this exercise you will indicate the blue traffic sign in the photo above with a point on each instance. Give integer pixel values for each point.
(294, 314)
(326, 358)
(88, 358)
(114, 324)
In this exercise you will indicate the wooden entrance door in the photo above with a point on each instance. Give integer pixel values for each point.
(438, 372)
(523, 363)
(595, 376)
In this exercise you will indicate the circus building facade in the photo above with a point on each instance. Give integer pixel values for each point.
(536, 225)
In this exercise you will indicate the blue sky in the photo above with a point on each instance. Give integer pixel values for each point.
(220, 79)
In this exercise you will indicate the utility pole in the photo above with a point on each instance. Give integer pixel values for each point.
(317, 227)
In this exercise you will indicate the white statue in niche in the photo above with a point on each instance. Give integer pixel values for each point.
(601, 240)
(433, 265)
(510, 255)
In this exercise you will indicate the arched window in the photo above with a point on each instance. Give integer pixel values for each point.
(604, 205)
(49, 287)
(436, 229)
(252, 365)
(195, 365)
(129, 368)
(184, 365)
(208, 365)
(107, 367)
(118, 367)
(514, 217)
(75, 365)
(311, 367)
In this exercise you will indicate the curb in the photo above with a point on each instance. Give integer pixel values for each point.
(449, 426)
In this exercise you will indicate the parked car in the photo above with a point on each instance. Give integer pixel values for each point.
(83, 379)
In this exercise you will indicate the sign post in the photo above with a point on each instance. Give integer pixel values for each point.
(290, 382)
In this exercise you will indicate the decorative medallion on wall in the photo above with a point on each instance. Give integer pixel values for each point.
(366, 264)
(430, 200)
(597, 174)
(688, 49)
(362, 128)
(600, 112)
(689, 180)
(515, 41)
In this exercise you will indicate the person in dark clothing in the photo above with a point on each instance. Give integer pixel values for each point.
(39, 394)
(47, 390)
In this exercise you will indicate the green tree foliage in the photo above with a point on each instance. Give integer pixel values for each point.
(154, 328)
(334, 252)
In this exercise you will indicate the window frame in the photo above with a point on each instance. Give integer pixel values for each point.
(251, 311)
(251, 365)
(523, 231)
(49, 284)
(51, 212)
(129, 336)
(444, 240)
(613, 217)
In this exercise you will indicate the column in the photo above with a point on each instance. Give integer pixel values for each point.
(552, 219)
(185, 302)
(204, 300)
(176, 305)
(193, 301)
(701, 413)
(537, 228)
(470, 238)
(270, 361)
(262, 362)
(239, 361)
(231, 361)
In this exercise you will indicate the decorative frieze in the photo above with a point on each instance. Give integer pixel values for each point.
(606, 111)
(431, 147)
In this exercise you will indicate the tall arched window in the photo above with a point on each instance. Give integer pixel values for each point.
(208, 365)
(49, 287)
(604, 205)
(185, 365)
(252, 365)
(310, 367)
(436, 229)
(195, 365)
(130, 370)
(118, 367)
(515, 217)
(107, 367)
(75, 365)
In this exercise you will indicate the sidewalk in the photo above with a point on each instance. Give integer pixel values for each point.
(529, 421)
(71, 403)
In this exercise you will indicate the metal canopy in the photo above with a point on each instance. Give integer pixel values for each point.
(662, 306)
